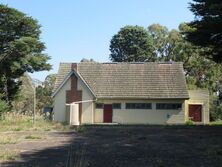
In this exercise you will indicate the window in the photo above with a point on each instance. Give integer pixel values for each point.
(99, 105)
(168, 106)
(138, 106)
(116, 105)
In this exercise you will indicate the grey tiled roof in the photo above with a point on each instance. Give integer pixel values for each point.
(64, 69)
(131, 80)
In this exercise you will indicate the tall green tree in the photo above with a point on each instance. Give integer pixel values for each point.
(206, 29)
(44, 92)
(167, 45)
(20, 50)
(170, 44)
(23, 102)
(132, 44)
(159, 35)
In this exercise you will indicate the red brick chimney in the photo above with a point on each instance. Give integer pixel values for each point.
(74, 94)
(74, 66)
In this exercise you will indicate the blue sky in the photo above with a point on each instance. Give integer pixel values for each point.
(76, 29)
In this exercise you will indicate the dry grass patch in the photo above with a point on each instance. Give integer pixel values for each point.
(8, 139)
(8, 154)
(33, 137)
(18, 122)
(17, 128)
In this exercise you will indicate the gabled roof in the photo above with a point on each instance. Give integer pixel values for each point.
(130, 80)
(62, 79)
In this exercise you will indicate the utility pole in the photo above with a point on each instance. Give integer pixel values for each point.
(34, 103)
(34, 83)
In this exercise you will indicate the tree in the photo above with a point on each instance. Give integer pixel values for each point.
(201, 73)
(24, 99)
(132, 44)
(206, 29)
(84, 60)
(170, 45)
(3, 108)
(44, 92)
(159, 35)
(20, 50)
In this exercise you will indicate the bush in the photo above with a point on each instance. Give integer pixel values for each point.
(3, 108)
(216, 113)
(189, 122)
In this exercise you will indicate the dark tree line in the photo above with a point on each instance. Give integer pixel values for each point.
(206, 29)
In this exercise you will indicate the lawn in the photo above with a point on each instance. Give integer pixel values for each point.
(132, 146)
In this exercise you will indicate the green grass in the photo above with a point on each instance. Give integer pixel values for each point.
(216, 123)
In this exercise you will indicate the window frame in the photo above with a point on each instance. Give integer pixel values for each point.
(119, 107)
(101, 107)
(139, 106)
(168, 106)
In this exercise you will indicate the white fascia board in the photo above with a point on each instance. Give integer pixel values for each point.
(62, 83)
(66, 79)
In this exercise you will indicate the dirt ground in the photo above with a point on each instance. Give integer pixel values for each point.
(125, 146)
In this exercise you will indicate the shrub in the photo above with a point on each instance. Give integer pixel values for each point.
(80, 129)
(3, 108)
(189, 122)
(216, 113)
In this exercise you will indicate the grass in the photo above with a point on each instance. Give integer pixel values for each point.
(189, 123)
(80, 129)
(17, 128)
(8, 139)
(216, 122)
(8, 154)
(33, 137)
(16, 122)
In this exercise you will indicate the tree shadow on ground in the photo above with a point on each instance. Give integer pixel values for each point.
(59, 156)
(140, 146)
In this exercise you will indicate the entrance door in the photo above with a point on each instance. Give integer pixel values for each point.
(195, 112)
(107, 113)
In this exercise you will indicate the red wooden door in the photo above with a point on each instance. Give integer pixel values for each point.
(107, 113)
(195, 112)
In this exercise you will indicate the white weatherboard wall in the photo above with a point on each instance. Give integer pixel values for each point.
(143, 116)
(60, 103)
(98, 116)
(87, 107)
(60, 108)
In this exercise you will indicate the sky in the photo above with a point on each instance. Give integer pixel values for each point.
(77, 29)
